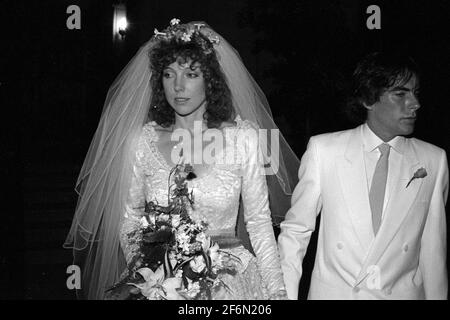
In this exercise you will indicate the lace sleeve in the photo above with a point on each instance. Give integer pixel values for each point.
(134, 208)
(257, 213)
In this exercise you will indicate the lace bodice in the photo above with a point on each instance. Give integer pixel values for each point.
(218, 205)
(216, 195)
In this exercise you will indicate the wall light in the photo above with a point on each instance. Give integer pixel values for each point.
(120, 23)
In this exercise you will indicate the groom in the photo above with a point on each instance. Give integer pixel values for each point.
(381, 196)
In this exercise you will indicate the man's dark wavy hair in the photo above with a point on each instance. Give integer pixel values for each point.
(373, 75)
(219, 105)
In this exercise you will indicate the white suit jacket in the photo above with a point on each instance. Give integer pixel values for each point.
(407, 257)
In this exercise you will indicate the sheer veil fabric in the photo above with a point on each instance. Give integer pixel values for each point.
(105, 177)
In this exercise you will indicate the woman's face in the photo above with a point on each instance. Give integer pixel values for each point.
(184, 88)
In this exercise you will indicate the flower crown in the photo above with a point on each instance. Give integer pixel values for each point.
(188, 33)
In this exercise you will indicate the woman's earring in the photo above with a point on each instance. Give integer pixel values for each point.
(367, 107)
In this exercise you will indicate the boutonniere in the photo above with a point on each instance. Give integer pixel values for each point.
(419, 174)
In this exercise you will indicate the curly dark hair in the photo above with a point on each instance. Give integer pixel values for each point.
(373, 75)
(219, 106)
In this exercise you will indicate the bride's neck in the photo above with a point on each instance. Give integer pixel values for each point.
(190, 123)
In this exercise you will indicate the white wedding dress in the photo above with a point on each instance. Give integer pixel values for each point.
(216, 198)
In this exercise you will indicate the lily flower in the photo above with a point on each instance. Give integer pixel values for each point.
(156, 286)
(197, 264)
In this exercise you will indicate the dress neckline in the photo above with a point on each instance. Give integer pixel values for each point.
(166, 166)
(162, 160)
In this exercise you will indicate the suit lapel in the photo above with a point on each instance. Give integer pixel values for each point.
(352, 176)
(397, 208)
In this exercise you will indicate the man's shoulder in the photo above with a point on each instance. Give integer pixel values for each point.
(425, 149)
(336, 135)
(334, 139)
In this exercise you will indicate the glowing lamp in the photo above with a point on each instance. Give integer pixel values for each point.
(120, 23)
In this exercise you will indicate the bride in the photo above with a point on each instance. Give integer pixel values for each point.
(186, 79)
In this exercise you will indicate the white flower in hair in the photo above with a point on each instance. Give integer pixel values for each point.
(186, 37)
(157, 33)
(199, 25)
(213, 39)
(174, 21)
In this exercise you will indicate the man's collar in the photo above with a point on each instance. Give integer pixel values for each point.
(371, 141)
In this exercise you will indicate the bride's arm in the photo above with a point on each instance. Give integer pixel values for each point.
(257, 214)
(134, 209)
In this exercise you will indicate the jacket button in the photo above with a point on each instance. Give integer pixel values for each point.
(388, 292)
(356, 289)
(405, 248)
(340, 246)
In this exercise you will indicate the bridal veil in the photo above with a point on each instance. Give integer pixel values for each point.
(104, 180)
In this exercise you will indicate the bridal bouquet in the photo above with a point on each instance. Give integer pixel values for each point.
(176, 259)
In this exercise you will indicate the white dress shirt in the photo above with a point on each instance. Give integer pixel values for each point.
(371, 155)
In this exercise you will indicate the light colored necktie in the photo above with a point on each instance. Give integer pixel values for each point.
(378, 187)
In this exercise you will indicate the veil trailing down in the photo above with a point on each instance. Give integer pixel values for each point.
(105, 178)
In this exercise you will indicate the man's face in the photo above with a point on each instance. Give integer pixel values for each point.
(396, 111)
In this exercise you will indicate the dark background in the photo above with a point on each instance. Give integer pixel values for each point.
(54, 82)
